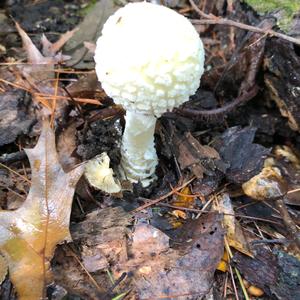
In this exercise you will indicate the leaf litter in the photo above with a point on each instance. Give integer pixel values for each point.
(30, 234)
(143, 255)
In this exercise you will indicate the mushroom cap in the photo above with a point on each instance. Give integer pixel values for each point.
(149, 58)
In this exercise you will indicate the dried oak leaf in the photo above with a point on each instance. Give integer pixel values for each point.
(29, 235)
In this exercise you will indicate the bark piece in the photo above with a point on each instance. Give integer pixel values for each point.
(282, 78)
(277, 273)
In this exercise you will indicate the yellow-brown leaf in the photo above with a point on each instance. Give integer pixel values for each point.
(29, 235)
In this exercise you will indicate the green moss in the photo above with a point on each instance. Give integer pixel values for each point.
(288, 7)
(87, 8)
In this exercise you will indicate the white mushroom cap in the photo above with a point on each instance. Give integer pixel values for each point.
(149, 58)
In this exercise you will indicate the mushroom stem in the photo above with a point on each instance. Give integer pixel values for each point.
(139, 157)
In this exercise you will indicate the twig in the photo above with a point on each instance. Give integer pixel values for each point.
(273, 241)
(54, 100)
(212, 19)
(227, 247)
(209, 113)
(93, 281)
(233, 283)
(225, 286)
(153, 202)
(293, 191)
(36, 94)
(195, 210)
(288, 221)
(16, 173)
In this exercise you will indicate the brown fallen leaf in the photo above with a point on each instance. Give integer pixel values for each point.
(234, 232)
(200, 159)
(38, 77)
(50, 49)
(182, 272)
(35, 56)
(90, 46)
(29, 235)
(155, 270)
(102, 238)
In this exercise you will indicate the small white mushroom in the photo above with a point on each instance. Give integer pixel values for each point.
(149, 59)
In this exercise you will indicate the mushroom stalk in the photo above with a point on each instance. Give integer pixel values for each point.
(139, 157)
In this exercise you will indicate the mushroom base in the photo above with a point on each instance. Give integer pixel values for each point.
(139, 158)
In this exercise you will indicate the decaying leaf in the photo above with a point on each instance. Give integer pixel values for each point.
(66, 145)
(234, 233)
(29, 235)
(35, 56)
(50, 49)
(102, 238)
(90, 46)
(184, 271)
(38, 76)
(198, 158)
(157, 268)
(223, 264)
(245, 158)
(184, 199)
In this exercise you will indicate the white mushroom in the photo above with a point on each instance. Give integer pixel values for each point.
(149, 59)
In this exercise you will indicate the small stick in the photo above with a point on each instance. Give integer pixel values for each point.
(233, 283)
(153, 202)
(212, 19)
(193, 113)
(195, 210)
(93, 281)
(16, 173)
(290, 225)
